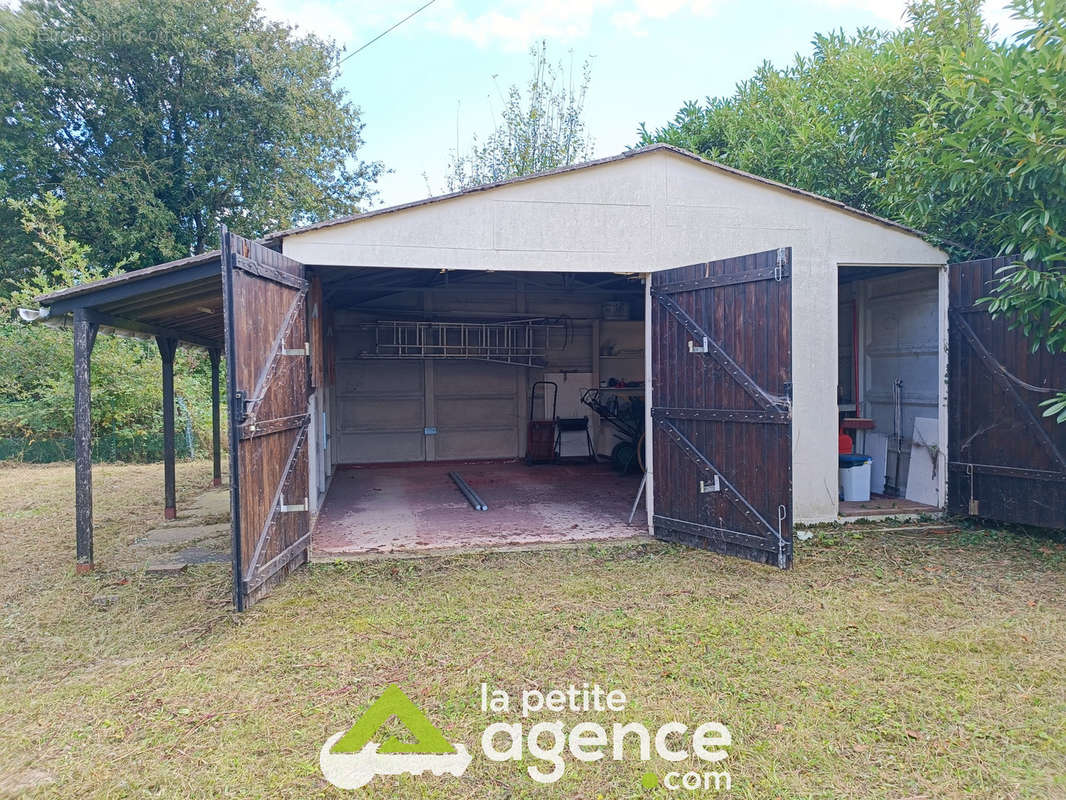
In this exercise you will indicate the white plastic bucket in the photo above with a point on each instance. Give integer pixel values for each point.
(855, 477)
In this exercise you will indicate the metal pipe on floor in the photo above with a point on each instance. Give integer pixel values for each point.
(471, 496)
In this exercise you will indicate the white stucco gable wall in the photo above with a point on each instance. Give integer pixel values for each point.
(653, 210)
(595, 219)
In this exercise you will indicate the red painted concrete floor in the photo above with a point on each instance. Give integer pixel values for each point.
(417, 509)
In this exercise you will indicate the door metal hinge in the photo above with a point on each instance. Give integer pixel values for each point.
(287, 509)
(298, 351)
(240, 407)
(779, 266)
(694, 348)
(714, 486)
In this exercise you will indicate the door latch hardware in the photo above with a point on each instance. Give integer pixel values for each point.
(298, 351)
(784, 547)
(284, 508)
(974, 503)
(714, 486)
(694, 348)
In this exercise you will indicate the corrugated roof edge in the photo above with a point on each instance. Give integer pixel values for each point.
(595, 163)
(128, 277)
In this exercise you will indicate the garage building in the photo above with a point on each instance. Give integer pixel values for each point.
(737, 326)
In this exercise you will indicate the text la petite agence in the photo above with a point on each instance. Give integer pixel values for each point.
(587, 741)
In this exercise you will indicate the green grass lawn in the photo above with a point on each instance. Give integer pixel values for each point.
(885, 665)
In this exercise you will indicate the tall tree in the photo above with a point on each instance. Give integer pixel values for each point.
(540, 130)
(828, 122)
(36, 389)
(987, 163)
(986, 160)
(937, 125)
(156, 121)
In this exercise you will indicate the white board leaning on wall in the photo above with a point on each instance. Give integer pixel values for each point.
(923, 484)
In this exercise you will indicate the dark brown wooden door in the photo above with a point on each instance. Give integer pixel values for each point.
(1006, 461)
(721, 408)
(268, 383)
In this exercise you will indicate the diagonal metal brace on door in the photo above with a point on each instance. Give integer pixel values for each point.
(999, 375)
(712, 349)
(278, 350)
(276, 507)
(727, 489)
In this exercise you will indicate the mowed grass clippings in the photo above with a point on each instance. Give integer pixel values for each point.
(885, 665)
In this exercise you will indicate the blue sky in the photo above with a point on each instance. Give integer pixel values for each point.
(432, 78)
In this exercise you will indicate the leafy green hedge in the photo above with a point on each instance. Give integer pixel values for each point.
(37, 397)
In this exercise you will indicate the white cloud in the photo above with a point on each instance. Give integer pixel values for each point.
(347, 23)
(661, 9)
(997, 13)
(628, 21)
(515, 24)
(889, 12)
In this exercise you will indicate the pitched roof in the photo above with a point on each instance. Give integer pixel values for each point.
(636, 153)
(203, 258)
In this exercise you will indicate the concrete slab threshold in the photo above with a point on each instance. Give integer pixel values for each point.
(630, 541)
(881, 507)
(915, 516)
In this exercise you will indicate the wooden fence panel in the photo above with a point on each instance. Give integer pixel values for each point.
(1005, 459)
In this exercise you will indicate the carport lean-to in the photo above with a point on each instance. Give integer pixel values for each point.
(174, 303)
(733, 359)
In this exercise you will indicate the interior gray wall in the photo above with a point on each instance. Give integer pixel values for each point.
(900, 339)
(382, 407)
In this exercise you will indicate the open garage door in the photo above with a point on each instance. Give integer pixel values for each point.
(721, 411)
(1007, 461)
(268, 384)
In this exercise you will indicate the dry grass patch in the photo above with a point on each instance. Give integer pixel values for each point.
(884, 665)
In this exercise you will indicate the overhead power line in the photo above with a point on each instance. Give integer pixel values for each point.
(387, 31)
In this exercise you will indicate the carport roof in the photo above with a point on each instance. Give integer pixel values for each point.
(179, 299)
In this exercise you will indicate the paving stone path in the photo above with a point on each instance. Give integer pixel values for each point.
(200, 535)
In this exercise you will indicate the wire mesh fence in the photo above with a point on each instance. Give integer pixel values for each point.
(130, 448)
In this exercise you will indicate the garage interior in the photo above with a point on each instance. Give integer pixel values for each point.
(430, 372)
(888, 390)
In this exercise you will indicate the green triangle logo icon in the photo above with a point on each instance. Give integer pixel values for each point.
(394, 703)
